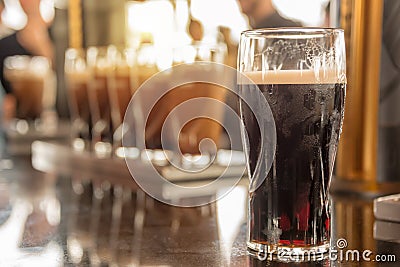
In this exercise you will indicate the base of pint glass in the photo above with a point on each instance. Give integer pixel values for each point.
(288, 253)
(102, 149)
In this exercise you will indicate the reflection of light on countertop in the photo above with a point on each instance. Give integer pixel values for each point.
(51, 207)
(11, 235)
(12, 231)
(49, 256)
(230, 216)
(75, 250)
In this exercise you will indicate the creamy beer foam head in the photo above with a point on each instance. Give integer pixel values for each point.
(290, 77)
(77, 76)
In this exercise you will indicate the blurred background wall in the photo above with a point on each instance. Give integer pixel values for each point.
(162, 22)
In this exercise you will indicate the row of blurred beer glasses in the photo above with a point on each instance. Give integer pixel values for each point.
(95, 78)
(101, 81)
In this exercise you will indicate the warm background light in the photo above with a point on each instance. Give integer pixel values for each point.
(14, 17)
(168, 27)
(165, 26)
(308, 12)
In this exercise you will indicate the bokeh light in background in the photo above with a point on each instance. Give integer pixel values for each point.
(14, 17)
(308, 12)
(155, 18)
(47, 10)
(150, 21)
(226, 13)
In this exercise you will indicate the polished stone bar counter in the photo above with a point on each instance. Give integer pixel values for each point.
(73, 219)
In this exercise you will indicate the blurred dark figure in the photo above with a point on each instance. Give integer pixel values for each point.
(262, 14)
(33, 40)
(389, 108)
(7, 101)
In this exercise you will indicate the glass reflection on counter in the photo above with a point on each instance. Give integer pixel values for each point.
(230, 218)
(110, 225)
(33, 219)
(88, 221)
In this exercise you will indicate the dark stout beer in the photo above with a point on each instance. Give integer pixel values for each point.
(292, 207)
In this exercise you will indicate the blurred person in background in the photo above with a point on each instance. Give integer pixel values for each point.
(32, 40)
(262, 14)
(7, 105)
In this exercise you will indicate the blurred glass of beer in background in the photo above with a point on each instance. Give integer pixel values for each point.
(100, 61)
(121, 86)
(77, 77)
(197, 129)
(33, 84)
(145, 64)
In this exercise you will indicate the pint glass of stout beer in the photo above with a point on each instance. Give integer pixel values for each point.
(301, 74)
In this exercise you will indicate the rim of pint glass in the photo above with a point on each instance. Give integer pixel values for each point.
(292, 32)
